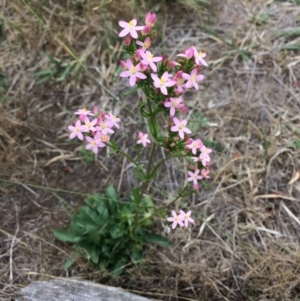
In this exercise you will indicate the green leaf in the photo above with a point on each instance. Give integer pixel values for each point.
(153, 126)
(116, 232)
(134, 89)
(65, 73)
(63, 235)
(136, 194)
(69, 262)
(157, 239)
(137, 255)
(118, 268)
(111, 193)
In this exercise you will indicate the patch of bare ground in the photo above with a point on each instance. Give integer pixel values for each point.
(245, 242)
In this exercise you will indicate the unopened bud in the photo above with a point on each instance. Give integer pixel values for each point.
(146, 30)
(127, 40)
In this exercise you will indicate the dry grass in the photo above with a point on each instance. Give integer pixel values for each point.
(245, 243)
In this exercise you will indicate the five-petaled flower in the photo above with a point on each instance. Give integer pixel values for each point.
(130, 28)
(173, 104)
(76, 130)
(199, 57)
(94, 143)
(180, 127)
(192, 79)
(133, 73)
(186, 217)
(176, 219)
(143, 139)
(149, 59)
(163, 82)
(194, 176)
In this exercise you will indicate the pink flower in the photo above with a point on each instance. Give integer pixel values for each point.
(129, 28)
(205, 173)
(143, 139)
(105, 127)
(180, 127)
(199, 57)
(94, 143)
(150, 19)
(204, 156)
(194, 176)
(176, 219)
(89, 125)
(83, 113)
(193, 79)
(133, 73)
(76, 130)
(145, 45)
(149, 59)
(188, 53)
(186, 217)
(113, 119)
(194, 145)
(162, 82)
(179, 81)
(173, 104)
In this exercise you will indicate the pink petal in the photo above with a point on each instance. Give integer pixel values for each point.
(124, 32)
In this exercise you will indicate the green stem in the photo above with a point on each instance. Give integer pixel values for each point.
(122, 153)
(179, 195)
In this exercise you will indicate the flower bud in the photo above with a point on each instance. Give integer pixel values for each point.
(150, 19)
(145, 30)
(123, 65)
(127, 40)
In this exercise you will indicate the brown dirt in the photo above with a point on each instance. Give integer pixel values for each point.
(245, 242)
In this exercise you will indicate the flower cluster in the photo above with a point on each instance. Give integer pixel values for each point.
(182, 219)
(164, 82)
(96, 131)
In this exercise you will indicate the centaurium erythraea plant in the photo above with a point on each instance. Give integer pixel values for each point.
(163, 82)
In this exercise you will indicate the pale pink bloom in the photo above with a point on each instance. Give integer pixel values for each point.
(188, 53)
(76, 130)
(130, 28)
(149, 59)
(192, 79)
(163, 82)
(205, 173)
(145, 45)
(180, 127)
(113, 119)
(199, 57)
(89, 126)
(205, 158)
(173, 104)
(133, 73)
(84, 112)
(105, 127)
(176, 219)
(186, 217)
(143, 139)
(150, 19)
(94, 143)
(194, 145)
(205, 150)
(194, 176)
(179, 81)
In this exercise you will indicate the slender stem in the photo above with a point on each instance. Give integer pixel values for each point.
(179, 195)
(122, 153)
